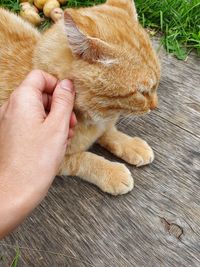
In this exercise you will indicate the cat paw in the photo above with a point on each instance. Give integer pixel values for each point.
(137, 152)
(118, 180)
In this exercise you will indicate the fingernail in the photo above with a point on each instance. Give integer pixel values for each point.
(74, 118)
(67, 85)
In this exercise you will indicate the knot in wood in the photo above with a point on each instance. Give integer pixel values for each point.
(172, 228)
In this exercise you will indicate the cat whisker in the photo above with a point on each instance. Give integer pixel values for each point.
(124, 119)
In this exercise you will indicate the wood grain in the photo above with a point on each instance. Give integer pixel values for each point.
(157, 224)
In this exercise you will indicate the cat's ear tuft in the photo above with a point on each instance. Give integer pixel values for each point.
(127, 5)
(83, 46)
(78, 41)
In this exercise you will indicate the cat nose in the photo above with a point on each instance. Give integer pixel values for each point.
(153, 106)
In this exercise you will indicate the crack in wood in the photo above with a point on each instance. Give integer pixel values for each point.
(172, 228)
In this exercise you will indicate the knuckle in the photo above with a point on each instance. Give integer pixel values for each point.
(14, 100)
(63, 99)
(36, 72)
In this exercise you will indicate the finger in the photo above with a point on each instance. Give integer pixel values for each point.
(71, 133)
(40, 81)
(3, 109)
(46, 99)
(73, 120)
(62, 103)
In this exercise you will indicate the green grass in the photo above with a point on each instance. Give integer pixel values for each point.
(177, 20)
(16, 258)
(78, 3)
(10, 4)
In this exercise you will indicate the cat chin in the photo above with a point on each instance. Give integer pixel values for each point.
(136, 113)
(92, 117)
(96, 118)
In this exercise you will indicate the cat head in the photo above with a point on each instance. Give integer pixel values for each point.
(114, 67)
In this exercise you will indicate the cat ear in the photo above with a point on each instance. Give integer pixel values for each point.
(127, 5)
(83, 46)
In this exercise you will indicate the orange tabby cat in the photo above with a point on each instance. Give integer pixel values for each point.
(110, 59)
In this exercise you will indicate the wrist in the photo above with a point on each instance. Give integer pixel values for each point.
(17, 199)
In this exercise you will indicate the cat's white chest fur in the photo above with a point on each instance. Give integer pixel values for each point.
(85, 135)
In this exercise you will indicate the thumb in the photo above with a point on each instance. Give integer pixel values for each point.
(62, 103)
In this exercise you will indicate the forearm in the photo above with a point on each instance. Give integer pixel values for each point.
(17, 200)
(35, 126)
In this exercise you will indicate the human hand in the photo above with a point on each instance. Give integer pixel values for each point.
(34, 129)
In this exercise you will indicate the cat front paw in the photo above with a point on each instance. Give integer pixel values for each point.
(137, 152)
(118, 180)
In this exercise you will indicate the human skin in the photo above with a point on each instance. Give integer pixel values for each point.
(35, 126)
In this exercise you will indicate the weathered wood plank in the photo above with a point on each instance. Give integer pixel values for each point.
(157, 224)
(179, 92)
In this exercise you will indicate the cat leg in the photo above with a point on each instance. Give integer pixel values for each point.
(133, 150)
(110, 177)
